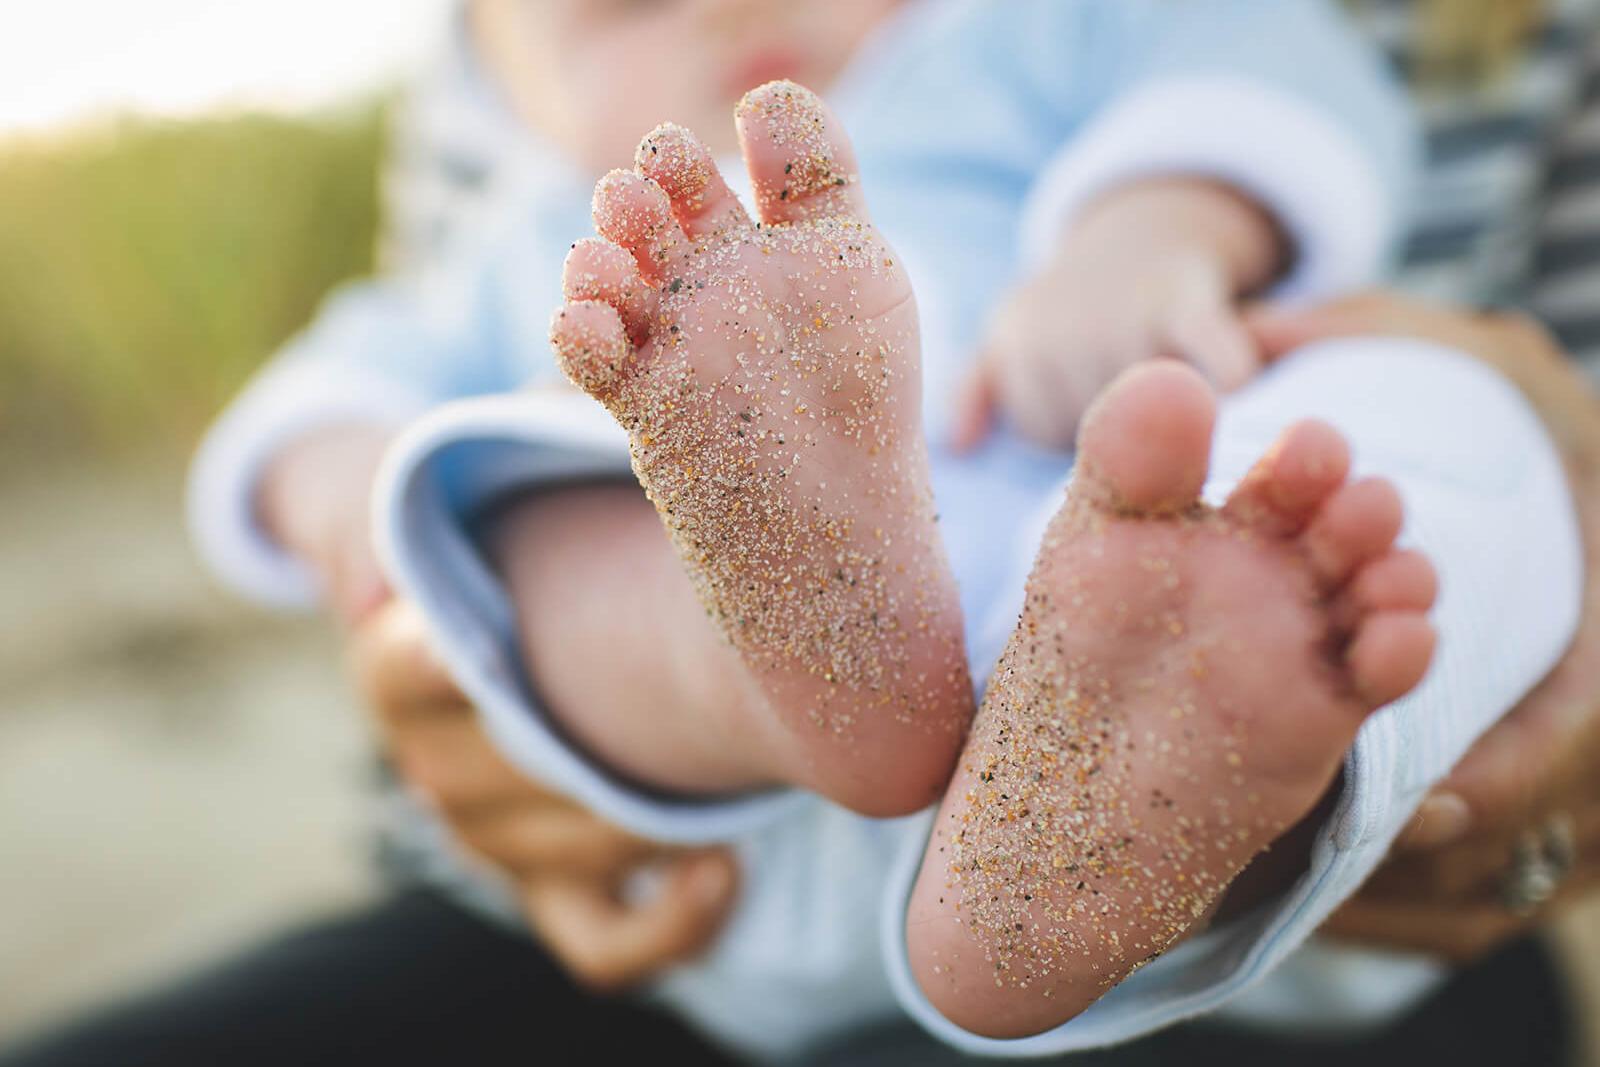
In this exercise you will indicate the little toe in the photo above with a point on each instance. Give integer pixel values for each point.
(1288, 484)
(634, 212)
(1389, 655)
(1357, 523)
(1145, 443)
(681, 165)
(800, 161)
(591, 346)
(596, 269)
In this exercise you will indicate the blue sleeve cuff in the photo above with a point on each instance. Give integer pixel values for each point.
(438, 477)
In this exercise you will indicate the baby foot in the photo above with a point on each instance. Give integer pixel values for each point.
(768, 376)
(1181, 688)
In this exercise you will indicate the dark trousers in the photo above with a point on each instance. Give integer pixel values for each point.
(417, 981)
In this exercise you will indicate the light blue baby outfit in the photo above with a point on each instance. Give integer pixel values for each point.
(981, 128)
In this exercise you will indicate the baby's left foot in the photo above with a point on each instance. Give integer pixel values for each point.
(1181, 688)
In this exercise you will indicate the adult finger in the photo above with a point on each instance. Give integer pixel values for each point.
(396, 670)
(1280, 330)
(1531, 759)
(1458, 926)
(453, 762)
(607, 944)
(1459, 933)
(1496, 785)
(1476, 871)
(554, 838)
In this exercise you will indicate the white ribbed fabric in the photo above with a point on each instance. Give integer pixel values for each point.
(1486, 498)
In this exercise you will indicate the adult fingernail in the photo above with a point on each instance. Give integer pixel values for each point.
(1440, 820)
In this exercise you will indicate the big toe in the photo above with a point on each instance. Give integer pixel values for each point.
(800, 160)
(1145, 444)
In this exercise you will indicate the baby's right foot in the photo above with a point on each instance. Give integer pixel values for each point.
(1181, 688)
(768, 375)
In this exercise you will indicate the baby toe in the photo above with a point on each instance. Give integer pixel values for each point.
(1357, 522)
(1146, 441)
(800, 160)
(591, 346)
(596, 269)
(1401, 580)
(677, 161)
(1291, 482)
(1389, 655)
(634, 213)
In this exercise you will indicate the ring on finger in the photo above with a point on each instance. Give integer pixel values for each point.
(1540, 861)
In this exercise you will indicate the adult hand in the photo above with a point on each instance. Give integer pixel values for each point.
(570, 869)
(1527, 795)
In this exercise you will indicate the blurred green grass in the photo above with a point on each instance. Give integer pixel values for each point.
(147, 267)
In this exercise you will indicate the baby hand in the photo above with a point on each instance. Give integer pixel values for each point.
(1155, 270)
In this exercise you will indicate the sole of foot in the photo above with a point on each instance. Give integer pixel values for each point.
(1182, 686)
(768, 374)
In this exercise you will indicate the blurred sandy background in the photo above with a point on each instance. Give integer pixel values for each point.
(178, 774)
(180, 183)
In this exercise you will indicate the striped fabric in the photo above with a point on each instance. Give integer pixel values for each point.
(1565, 288)
(1508, 212)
